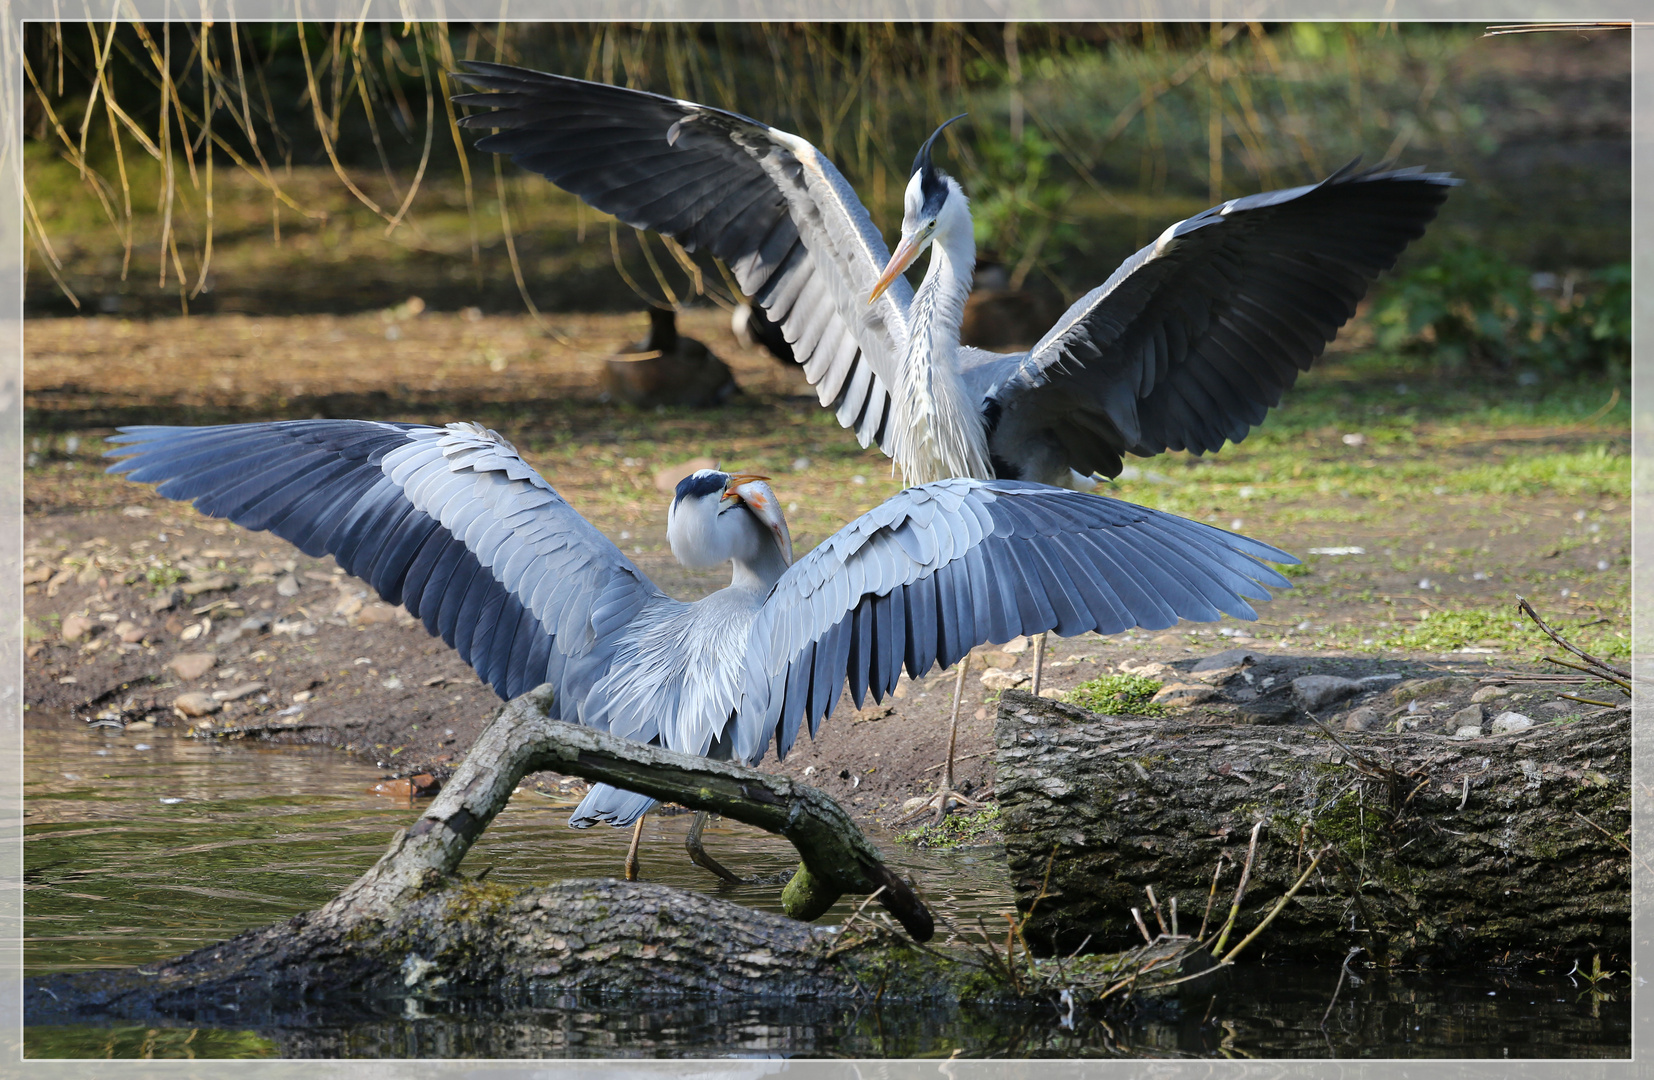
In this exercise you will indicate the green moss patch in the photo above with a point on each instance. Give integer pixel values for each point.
(1118, 695)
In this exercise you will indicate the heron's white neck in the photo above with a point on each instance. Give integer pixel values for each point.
(702, 537)
(937, 427)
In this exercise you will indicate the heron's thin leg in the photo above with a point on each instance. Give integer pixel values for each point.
(945, 795)
(953, 722)
(1039, 662)
(631, 852)
(697, 853)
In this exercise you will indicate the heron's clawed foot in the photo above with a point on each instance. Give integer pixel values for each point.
(698, 855)
(945, 799)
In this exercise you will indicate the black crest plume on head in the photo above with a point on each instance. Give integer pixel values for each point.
(930, 181)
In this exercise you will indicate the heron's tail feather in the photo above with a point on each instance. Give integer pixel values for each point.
(610, 805)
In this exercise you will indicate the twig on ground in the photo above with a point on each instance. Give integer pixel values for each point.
(1597, 667)
(1240, 889)
(1229, 956)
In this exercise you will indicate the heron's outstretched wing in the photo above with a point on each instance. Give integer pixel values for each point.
(1195, 337)
(450, 522)
(767, 203)
(942, 567)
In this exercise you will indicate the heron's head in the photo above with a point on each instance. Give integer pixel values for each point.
(718, 516)
(931, 200)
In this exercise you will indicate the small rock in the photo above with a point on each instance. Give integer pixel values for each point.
(347, 605)
(166, 601)
(1366, 718)
(141, 725)
(1440, 686)
(1469, 716)
(375, 613)
(215, 583)
(1018, 644)
(1183, 695)
(997, 679)
(194, 704)
(1167, 641)
(875, 711)
(1223, 661)
(192, 632)
(191, 666)
(392, 683)
(1051, 693)
(262, 566)
(395, 789)
(295, 627)
(1469, 731)
(1488, 693)
(912, 805)
(1507, 722)
(666, 480)
(1149, 669)
(131, 633)
(288, 585)
(998, 659)
(1373, 682)
(236, 693)
(424, 785)
(76, 627)
(1316, 692)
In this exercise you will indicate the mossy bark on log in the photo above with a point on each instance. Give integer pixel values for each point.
(476, 940)
(1444, 849)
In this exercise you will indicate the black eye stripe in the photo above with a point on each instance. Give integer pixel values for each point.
(698, 484)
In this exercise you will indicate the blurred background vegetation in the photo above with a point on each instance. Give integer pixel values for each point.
(286, 168)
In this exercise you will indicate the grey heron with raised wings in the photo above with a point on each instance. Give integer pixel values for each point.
(1186, 346)
(453, 524)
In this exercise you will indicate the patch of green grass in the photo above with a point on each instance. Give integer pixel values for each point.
(1444, 631)
(1118, 695)
(955, 830)
(164, 577)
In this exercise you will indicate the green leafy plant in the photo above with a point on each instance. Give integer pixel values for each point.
(163, 577)
(1017, 211)
(1471, 307)
(1118, 695)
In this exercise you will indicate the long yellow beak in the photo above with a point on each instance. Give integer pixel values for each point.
(733, 484)
(906, 252)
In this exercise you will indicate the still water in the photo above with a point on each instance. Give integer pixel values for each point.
(143, 846)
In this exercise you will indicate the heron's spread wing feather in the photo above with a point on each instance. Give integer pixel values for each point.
(765, 202)
(449, 522)
(940, 568)
(1196, 336)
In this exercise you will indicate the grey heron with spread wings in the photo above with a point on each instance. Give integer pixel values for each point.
(453, 524)
(1186, 346)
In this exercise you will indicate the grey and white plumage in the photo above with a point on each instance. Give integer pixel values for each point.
(1186, 346)
(453, 524)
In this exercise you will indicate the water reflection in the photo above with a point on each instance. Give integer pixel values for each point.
(139, 848)
(142, 847)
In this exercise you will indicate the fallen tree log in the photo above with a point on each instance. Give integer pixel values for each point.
(413, 926)
(836, 857)
(1442, 849)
